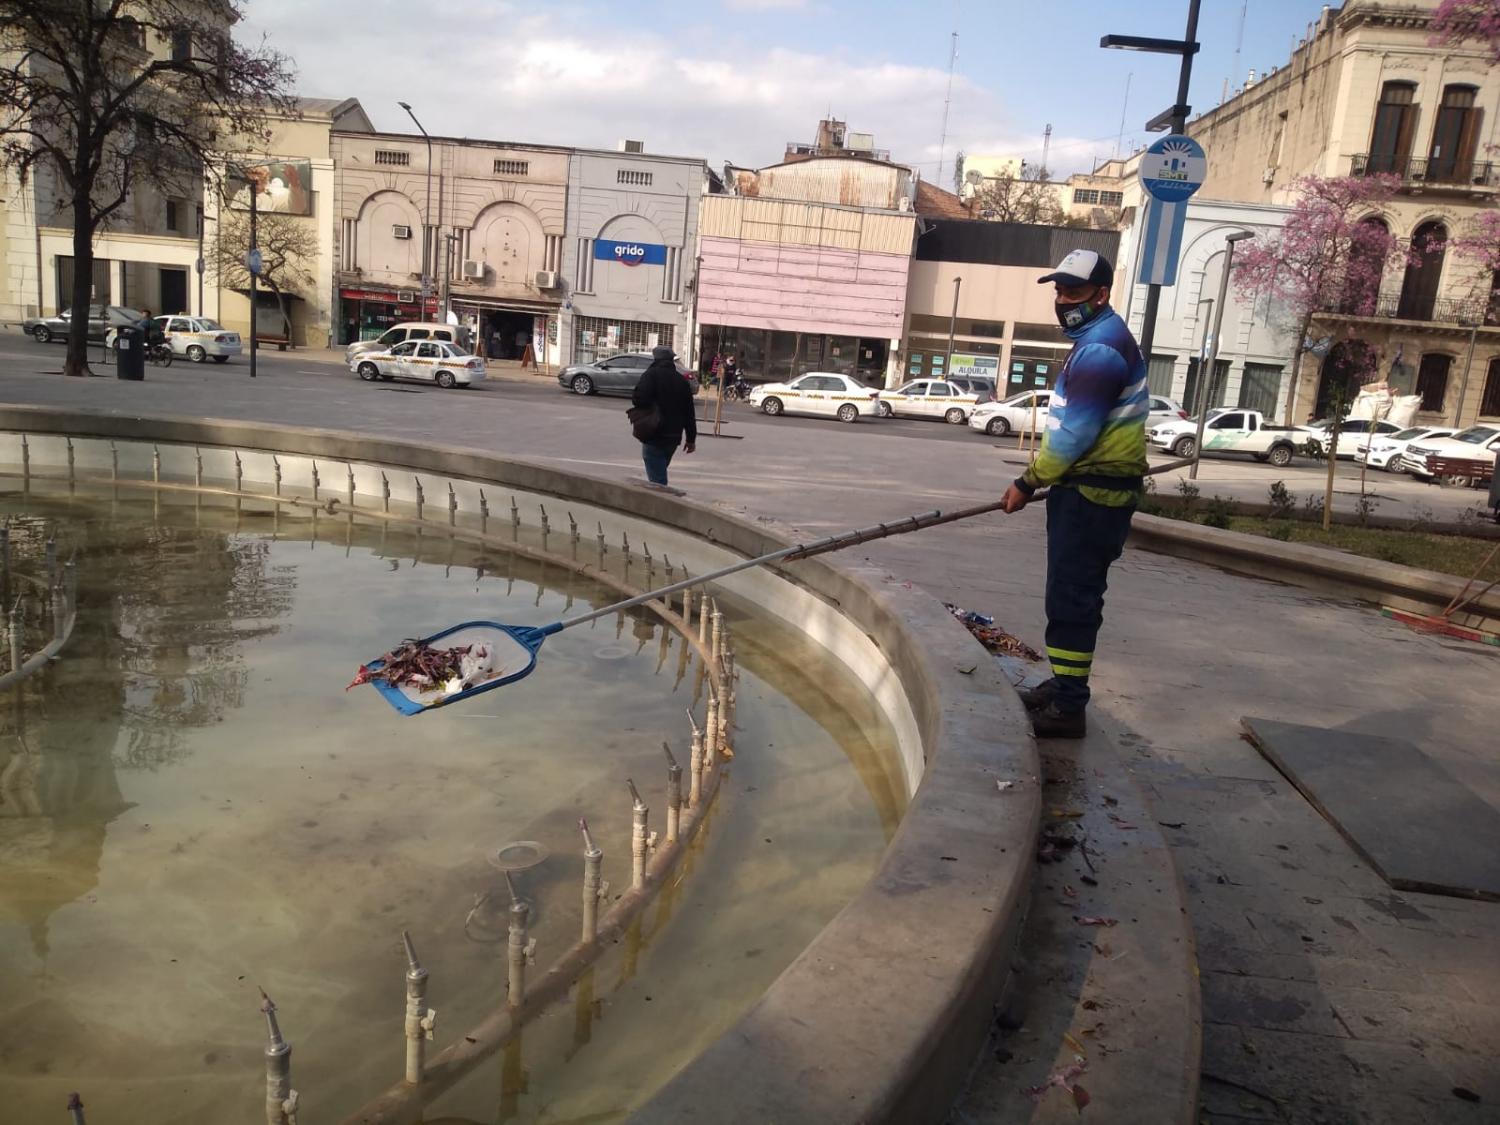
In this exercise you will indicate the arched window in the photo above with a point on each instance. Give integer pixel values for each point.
(1419, 288)
(1368, 252)
(1455, 136)
(1395, 125)
(1432, 381)
(1489, 405)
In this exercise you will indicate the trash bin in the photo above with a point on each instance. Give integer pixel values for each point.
(130, 353)
(1495, 491)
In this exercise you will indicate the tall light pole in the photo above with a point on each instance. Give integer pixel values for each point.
(427, 247)
(1173, 120)
(1212, 360)
(952, 324)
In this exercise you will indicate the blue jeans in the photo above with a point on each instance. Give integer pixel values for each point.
(657, 458)
(1083, 539)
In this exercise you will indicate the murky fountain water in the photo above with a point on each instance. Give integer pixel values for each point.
(191, 807)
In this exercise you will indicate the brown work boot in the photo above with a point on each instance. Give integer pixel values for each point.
(1049, 722)
(1037, 697)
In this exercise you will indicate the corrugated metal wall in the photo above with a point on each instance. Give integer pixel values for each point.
(787, 223)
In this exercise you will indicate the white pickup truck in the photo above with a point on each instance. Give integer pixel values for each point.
(1230, 431)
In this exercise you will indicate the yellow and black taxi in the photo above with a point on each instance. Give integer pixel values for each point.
(818, 392)
(929, 398)
(199, 338)
(421, 361)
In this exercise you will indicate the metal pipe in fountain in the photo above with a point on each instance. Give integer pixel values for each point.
(674, 795)
(594, 889)
(281, 1099)
(519, 948)
(420, 1019)
(640, 837)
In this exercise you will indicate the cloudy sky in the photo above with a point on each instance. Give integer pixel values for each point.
(736, 79)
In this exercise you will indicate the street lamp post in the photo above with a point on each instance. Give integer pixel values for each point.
(427, 248)
(1173, 120)
(952, 324)
(1212, 359)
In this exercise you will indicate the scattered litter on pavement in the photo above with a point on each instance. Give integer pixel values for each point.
(1004, 786)
(1071, 1042)
(1063, 1079)
(1092, 920)
(1465, 1093)
(994, 638)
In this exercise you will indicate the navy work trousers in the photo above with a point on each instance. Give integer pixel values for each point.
(1083, 538)
(657, 457)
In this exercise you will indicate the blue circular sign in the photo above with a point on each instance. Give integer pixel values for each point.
(253, 262)
(1173, 168)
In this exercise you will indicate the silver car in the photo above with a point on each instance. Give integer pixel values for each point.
(616, 375)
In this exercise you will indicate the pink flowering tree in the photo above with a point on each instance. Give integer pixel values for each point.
(1328, 257)
(1461, 21)
(1479, 243)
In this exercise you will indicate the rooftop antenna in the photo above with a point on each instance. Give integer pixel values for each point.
(947, 101)
(1239, 44)
(1046, 148)
(1120, 140)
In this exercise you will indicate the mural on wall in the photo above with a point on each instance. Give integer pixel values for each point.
(283, 187)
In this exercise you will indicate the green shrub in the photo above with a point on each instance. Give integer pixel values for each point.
(1219, 511)
(1283, 502)
(1189, 492)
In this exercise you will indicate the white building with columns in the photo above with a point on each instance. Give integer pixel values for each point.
(1255, 352)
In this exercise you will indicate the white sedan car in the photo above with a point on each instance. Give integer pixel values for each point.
(1012, 415)
(424, 361)
(929, 398)
(818, 392)
(1384, 451)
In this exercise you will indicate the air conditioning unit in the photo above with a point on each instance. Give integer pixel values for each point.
(1268, 176)
(546, 279)
(406, 296)
(473, 271)
(400, 230)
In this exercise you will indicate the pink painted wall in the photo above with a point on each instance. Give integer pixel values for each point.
(802, 288)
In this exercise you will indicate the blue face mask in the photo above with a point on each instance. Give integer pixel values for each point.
(1074, 317)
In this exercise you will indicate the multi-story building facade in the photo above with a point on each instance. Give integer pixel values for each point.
(1367, 93)
(570, 252)
(299, 157)
(1255, 352)
(632, 233)
(805, 263)
(977, 281)
(145, 255)
(483, 223)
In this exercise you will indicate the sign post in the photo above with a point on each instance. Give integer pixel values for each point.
(1172, 170)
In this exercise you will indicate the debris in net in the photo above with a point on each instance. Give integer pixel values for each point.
(994, 638)
(1094, 920)
(420, 665)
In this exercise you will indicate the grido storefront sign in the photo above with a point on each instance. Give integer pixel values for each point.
(630, 253)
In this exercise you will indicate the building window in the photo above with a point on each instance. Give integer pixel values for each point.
(392, 158)
(182, 46)
(171, 214)
(1085, 195)
(1489, 405)
(1395, 122)
(1454, 136)
(1419, 287)
(1432, 381)
(512, 167)
(1111, 198)
(633, 179)
(1260, 387)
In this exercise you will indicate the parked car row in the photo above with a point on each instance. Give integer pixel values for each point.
(1229, 430)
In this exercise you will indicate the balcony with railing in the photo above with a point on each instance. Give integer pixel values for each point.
(1418, 170)
(1462, 311)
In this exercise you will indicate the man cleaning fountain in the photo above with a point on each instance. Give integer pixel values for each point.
(1092, 461)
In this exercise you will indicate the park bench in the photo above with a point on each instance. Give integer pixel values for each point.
(1464, 472)
(281, 343)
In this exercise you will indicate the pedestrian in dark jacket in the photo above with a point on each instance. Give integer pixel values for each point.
(663, 387)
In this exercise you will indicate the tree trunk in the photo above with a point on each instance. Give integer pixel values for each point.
(1298, 352)
(77, 361)
(1333, 460)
